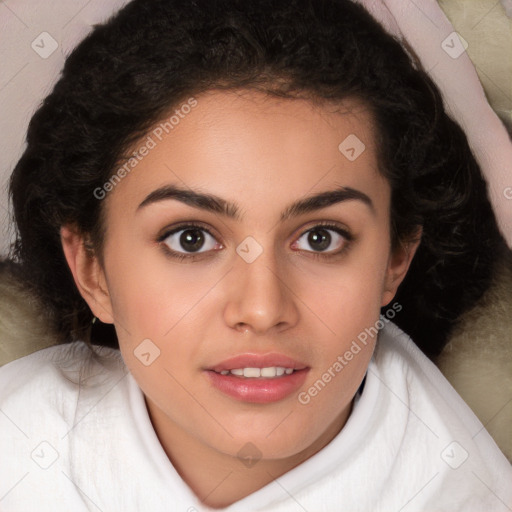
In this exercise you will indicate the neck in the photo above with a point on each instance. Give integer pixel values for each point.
(219, 479)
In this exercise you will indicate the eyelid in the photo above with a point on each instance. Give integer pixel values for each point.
(336, 226)
(166, 232)
(343, 231)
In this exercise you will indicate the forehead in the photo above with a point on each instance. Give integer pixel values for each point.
(251, 147)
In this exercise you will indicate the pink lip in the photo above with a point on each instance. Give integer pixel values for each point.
(261, 389)
(258, 390)
(251, 360)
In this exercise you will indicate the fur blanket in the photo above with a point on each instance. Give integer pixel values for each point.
(477, 360)
(23, 327)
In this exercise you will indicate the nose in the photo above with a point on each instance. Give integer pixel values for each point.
(260, 297)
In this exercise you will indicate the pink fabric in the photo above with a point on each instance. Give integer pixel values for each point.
(425, 27)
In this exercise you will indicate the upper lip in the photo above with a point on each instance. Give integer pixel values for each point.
(252, 360)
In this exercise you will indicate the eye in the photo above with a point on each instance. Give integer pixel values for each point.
(189, 240)
(320, 239)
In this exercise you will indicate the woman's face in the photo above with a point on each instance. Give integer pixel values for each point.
(191, 282)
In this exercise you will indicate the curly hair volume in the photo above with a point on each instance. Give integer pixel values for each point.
(130, 71)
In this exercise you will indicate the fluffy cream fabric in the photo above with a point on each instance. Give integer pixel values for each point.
(23, 328)
(478, 358)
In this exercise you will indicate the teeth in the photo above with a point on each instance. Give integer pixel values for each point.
(252, 372)
(266, 372)
(272, 371)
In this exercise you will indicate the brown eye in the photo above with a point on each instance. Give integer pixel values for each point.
(188, 239)
(325, 238)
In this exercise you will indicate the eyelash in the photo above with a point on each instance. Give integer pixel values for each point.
(349, 238)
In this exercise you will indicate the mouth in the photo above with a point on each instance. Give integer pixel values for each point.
(269, 372)
(258, 378)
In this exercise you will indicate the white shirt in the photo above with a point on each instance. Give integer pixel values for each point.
(75, 435)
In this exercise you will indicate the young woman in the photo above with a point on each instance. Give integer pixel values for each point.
(231, 210)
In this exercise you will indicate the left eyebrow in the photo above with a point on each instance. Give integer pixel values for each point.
(215, 204)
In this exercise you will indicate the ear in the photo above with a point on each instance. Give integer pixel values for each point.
(398, 265)
(87, 273)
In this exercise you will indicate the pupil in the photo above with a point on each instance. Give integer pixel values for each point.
(321, 241)
(192, 240)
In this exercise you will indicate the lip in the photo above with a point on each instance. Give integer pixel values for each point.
(257, 390)
(253, 360)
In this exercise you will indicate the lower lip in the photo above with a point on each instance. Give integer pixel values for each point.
(258, 390)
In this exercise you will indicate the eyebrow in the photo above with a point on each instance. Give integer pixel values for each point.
(215, 204)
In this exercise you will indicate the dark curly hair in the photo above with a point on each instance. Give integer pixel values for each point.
(129, 72)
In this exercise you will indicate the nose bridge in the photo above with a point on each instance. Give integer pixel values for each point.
(260, 297)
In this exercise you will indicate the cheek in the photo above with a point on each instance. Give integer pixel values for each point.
(334, 384)
(149, 293)
(347, 298)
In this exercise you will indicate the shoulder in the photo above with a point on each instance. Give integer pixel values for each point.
(55, 375)
(403, 365)
(399, 358)
(58, 359)
(434, 425)
(61, 409)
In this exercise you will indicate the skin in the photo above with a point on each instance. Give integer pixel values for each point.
(262, 153)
